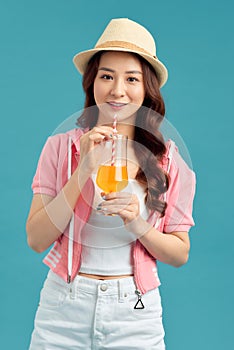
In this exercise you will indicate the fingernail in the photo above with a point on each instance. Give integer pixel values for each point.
(103, 195)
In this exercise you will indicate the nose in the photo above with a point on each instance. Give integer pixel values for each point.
(118, 88)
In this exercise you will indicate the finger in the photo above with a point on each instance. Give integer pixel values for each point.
(116, 208)
(120, 195)
(106, 131)
(97, 137)
(117, 202)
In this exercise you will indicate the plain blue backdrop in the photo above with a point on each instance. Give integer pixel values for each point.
(40, 88)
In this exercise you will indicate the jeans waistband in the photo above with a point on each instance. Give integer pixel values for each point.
(108, 287)
(91, 285)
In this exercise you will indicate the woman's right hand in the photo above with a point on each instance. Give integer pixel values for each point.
(91, 146)
(49, 216)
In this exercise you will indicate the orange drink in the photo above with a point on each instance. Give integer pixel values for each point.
(111, 178)
(112, 175)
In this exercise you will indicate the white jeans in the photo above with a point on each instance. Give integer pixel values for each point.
(95, 314)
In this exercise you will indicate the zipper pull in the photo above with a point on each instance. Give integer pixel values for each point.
(139, 304)
(70, 286)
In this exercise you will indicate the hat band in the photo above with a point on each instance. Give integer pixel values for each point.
(124, 45)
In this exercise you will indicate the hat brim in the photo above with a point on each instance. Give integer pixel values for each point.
(81, 61)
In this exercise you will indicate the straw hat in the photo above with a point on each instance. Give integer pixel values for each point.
(123, 34)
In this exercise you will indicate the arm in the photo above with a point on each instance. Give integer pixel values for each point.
(49, 215)
(170, 248)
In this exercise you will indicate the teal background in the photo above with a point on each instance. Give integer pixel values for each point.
(40, 87)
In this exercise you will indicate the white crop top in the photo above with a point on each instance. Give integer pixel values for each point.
(106, 244)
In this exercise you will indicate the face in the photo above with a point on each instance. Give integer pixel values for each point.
(118, 87)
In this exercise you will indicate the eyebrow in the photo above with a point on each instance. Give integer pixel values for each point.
(127, 72)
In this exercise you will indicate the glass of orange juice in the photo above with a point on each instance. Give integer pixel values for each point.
(112, 175)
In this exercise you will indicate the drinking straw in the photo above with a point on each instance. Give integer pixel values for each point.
(114, 124)
(113, 141)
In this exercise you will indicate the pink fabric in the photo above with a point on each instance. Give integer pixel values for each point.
(51, 176)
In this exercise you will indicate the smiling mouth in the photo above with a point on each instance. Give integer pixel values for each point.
(116, 104)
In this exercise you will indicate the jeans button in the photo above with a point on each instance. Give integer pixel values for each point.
(103, 287)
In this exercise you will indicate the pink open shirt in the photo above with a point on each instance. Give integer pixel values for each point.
(51, 176)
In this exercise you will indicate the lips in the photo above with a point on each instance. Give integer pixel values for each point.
(116, 105)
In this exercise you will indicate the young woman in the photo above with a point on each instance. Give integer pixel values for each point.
(102, 288)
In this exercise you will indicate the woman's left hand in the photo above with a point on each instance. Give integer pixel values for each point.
(127, 206)
(171, 248)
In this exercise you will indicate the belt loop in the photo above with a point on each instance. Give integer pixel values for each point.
(122, 291)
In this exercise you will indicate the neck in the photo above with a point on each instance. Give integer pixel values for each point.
(125, 129)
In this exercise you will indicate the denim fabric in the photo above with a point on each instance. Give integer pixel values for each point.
(95, 314)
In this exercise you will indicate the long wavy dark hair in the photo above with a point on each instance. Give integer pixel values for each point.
(149, 144)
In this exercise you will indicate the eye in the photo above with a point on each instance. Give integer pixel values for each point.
(132, 79)
(106, 77)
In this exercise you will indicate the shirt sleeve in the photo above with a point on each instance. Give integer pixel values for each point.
(180, 196)
(44, 181)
